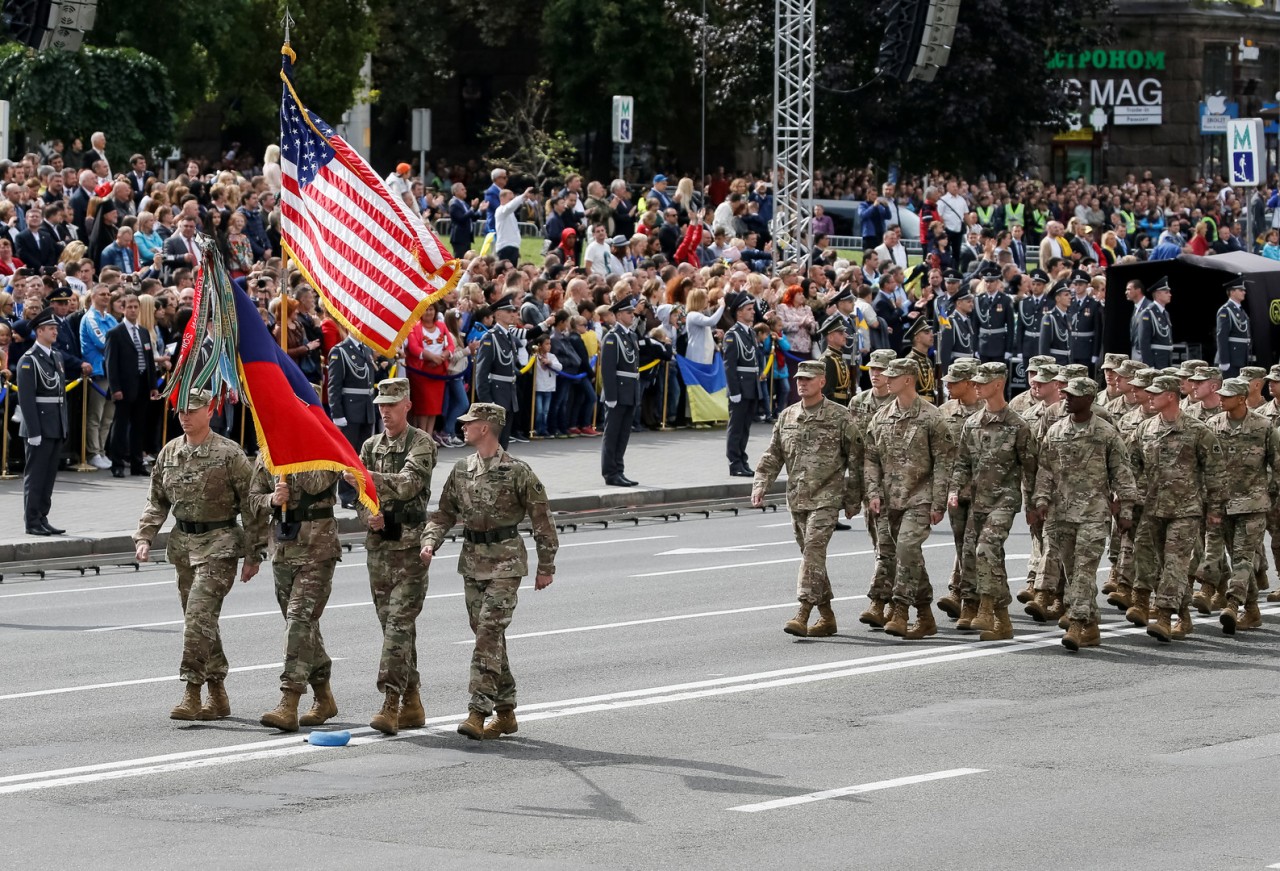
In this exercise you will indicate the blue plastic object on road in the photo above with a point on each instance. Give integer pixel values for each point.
(329, 739)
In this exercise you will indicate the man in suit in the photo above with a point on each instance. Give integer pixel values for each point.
(351, 375)
(1233, 337)
(131, 378)
(1135, 293)
(181, 250)
(742, 376)
(42, 398)
(1017, 247)
(138, 175)
(461, 220)
(620, 375)
(35, 247)
(889, 314)
(97, 152)
(80, 201)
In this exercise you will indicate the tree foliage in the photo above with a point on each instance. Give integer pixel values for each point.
(521, 139)
(120, 91)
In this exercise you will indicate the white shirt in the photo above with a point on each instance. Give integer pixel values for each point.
(544, 377)
(898, 254)
(402, 190)
(723, 218)
(702, 342)
(600, 260)
(505, 224)
(952, 207)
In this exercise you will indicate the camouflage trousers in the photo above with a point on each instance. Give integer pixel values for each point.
(1273, 527)
(984, 554)
(813, 530)
(302, 592)
(962, 583)
(1124, 565)
(1113, 543)
(398, 581)
(1080, 546)
(1037, 553)
(1212, 565)
(1240, 535)
(490, 606)
(201, 589)
(899, 555)
(1162, 552)
(1049, 571)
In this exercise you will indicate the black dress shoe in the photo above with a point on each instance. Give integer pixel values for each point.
(742, 472)
(53, 530)
(117, 471)
(628, 482)
(617, 481)
(139, 470)
(841, 526)
(38, 530)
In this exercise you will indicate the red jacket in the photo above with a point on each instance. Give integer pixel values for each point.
(688, 250)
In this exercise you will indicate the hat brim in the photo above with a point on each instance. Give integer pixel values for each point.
(806, 375)
(1071, 392)
(390, 400)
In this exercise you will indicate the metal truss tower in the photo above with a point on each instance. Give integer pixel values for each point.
(793, 68)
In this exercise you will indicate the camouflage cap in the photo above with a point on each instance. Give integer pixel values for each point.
(1129, 368)
(1206, 373)
(989, 372)
(1072, 370)
(1164, 384)
(881, 359)
(1039, 360)
(495, 415)
(1187, 368)
(1234, 387)
(810, 369)
(1274, 374)
(1252, 373)
(391, 391)
(1171, 371)
(197, 399)
(1046, 373)
(1112, 361)
(1082, 387)
(1142, 378)
(901, 366)
(961, 370)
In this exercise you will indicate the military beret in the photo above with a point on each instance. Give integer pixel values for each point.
(961, 370)
(989, 372)
(1113, 361)
(1046, 373)
(43, 317)
(881, 359)
(1143, 377)
(1274, 374)
(1082, 387)
(1206, 373)
(901, 366)
(198, 398)
(626, 304)
(921, 325)
(810, 369)
(493, 414)
(1234, 387)
(1161, 284)
(1129, 368)
(1039, 360)
(1040, 275)
(1163, 384)
(391, 391)
(505, 304)
(61, 293)
(1072, 371)
(833, 323)
(1252, 373)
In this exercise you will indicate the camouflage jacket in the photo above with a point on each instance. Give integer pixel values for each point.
(823, 454)
(1249, 461)
(1202, 413)
(1021, 403)
(401, 470)
(955, 414)
(1051, 414)
(1271, 411)
(491, 494)
(1081, 469)
(316, 539)
(203, 483)
(1177, 466)
(1115, 405)
(908, 457)
(995, 464)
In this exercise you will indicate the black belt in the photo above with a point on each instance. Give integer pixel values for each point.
(191, 526)
(298, 515)
(404, 518)
(491, 536)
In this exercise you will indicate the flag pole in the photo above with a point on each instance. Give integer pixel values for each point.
(283, 319)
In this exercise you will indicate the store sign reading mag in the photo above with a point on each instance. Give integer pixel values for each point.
(1130, 100)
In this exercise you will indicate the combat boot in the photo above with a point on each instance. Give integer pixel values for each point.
(1090, 636)
(826, 624)
(285, 715)
(1056, 609)
(1203, 598)
(968, 610)
(1219, 600)
(897, 622)
(1273, 596)
(1027, 593)
(323, 706)
(412, 716)
(503, 723)
(1110, 586)
(387, 720)
(472, 726)
(1071, 641)
(189, 707)
(1122, 598)
(875, 615)
(1140, 611)
(218, 705)
(924, 625)
(799, 624)
(1183, 627)
(1263, 583)
(1064, 622)
(1160, 629)
(1003, 630)
(1039, 607)
(950, 605)
(985, 619)
(1252, 617)
(1228, 618)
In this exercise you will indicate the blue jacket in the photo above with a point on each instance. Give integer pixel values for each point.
(121, 258)
(491, 196)
(255, 231)
(873, 217)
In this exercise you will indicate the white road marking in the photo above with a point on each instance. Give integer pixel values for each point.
(87, 589)
(774, 525)
(768, 562)
(130, 683)
(855, 790)
(731, 548)
(614, 541)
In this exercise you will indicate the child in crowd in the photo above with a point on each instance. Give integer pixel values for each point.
(544, 374)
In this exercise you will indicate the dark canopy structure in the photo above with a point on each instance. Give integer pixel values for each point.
(1197, 293)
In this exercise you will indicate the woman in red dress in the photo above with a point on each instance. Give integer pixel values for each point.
(427, 352)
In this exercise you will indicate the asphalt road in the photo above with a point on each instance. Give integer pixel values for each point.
(665, 722)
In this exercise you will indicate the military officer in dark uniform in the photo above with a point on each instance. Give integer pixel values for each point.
(839, 384)
(1031, 309)
(351, 376)
(844, 303)
(994, 310)
(958, 338)
(1233, 329)
(496, 364)
(620, 377)
(1155, 331)
(1055, 327)
(945, 302)
(1085, 315)
(742, 375)
(43, 400)
(920, 335)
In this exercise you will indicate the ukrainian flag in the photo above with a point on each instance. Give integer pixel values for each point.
(706, 387)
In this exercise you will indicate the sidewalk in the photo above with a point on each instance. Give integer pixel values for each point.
(100, 512)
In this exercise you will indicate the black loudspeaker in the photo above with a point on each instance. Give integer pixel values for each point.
(56, 24)
(917, 39)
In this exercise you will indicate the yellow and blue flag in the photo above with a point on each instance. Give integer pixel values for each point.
(706, 387)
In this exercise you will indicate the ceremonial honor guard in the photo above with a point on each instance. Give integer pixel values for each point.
(496, 364)
(838, 386)
(1155, 331)
(1031, 309)
(1085, 315)
(742, 374)
(920, 335)
(845, 309)
(42, 397)
(994, 311)
(1135, 292)
(1233, 329)
(620, 377)
(958, 340)
(351, 377)
(1055, 327)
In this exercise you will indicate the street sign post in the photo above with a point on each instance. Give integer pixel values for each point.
(420, 139)
(623, 120)
(1246, 148)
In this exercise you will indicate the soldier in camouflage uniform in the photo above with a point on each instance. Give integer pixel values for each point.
(204, 480)
(1122, 596)
(1025, 405)
(491, 492)
(1110, 363)
(1205, 381)
(304, 552)
(995, 467)
(1044, 575)
(1186, 387)
(1256, 377)
(963, 403)
(1271, 411)
(1118, 380)
(1084, 477)
(1178, 466)
(864, 405)
(909, 452)
(1249, 451)
(1029, 397)
(401, 459)
(819, 443)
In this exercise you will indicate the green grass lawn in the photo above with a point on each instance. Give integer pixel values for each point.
(531, 250)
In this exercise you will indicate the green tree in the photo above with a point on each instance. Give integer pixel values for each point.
(120, 91)
(520, 138)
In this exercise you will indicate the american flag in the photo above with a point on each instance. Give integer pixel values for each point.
(377, 265)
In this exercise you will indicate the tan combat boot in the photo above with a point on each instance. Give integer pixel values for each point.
(1252, 617)
(323, 706)
(218, 705)
(985, 619)
(1228, 618)
(503, 723)
(1263, 583)
(1183, 627)
(472, 726)
(1090, 636)
(924, 625)
(1071, 641)
(412, 716)
(1273, 596)
(1003, 630)
(1219, 600)
(1057, 608)
(1110, 586)
(387, 720)
(826, 624)
(285, 715)
(1122, 598)
(968, 610)
(875, 615)
(1161, 630)
(1039, 607)
(897, 623)
(1140, 611)
(950, 605)
(799, 624)
(1203, 598)
(1027, 593)
(189, 707)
